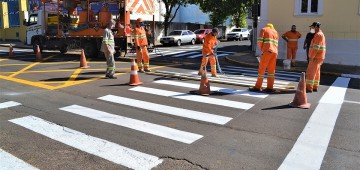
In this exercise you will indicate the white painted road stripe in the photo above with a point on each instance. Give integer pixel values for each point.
(177, 52)
(195, 98)
(277, 71)
(255, 75)
(256, 71)
(9, 161)
(221, 55)
(353, 102)
(130, 123)
(310, 148)
(180, 55)
(194, 56)
(93, 145)
(9, 104)
(206, 117)
(213, 88)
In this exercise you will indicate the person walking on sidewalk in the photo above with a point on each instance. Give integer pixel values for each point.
(316, 58)
(108, 47)
(292, 37)
(309, 37)
(208, 52)
(141, 43)
(268, 44)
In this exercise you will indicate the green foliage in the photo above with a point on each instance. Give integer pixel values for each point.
(171, 9)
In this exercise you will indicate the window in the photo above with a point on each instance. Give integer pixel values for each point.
(190, 33)
(13, 9)
(33, 20)
(308, 7)
(184, 33)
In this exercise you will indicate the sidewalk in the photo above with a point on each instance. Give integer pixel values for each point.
(248, 59)
(15, 44)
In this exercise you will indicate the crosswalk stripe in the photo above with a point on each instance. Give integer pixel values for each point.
(277, 71)
(180, 55)
(177, 52)
(194, 56)
(196, 98)
(225, 54)
(9, 161)
(99, 147)
(139, 125)
(256, 71)
(8, 104)
(255, 75)
(206, 117)
(213, 88)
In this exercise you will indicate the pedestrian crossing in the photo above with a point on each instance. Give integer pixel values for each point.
(122, 154)
(184, 52)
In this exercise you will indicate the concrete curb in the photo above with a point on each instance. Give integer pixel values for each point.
(22, 47)
(293, 70)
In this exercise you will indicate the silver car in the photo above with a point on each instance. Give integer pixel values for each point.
(179, 37)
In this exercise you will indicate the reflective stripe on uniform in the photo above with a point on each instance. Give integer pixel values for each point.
(318, 47)
(140, 36)
(311, 82)
(271, 75)
(213, 66)
(316, 82)
(260, 76)
(271, 41)
(260, 39)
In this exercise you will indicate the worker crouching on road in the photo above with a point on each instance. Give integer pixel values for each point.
(141, 43)
(316, 58)
(108, 47)
(292, 37)
(268, 44)
(208, 52)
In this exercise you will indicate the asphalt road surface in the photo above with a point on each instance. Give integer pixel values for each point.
(54, 115)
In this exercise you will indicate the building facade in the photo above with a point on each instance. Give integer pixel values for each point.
(340, 22)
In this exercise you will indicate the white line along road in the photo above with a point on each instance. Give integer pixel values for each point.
(105, 149)
(134, 124)
(8, 104)
(310, 148)
(8, 161)
(206, 117)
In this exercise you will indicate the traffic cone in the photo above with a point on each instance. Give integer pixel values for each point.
(11, 52)
(38, 54)
(134, 77)
(300, 99)
(83, 62)
(204, 88)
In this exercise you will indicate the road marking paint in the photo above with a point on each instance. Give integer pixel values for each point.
(74, 75)
(142, 126)
(9, 161)
(4, 59)
(194, 56)
(277, 71)
(213, 88)
(27, 82)
(206, 117)
(309, 150)
(256, 71)
(184, 54)
(353, 102)
(9, 104)
(221, 55)
(99, 147)
(30, 66)
(355, 76)
(265, 76)
(177, 52)
(196, 98)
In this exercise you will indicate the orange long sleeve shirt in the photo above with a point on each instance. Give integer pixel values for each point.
(209, 43)
(293, 38)
(140, 37)
(318, 46)
(268, 40)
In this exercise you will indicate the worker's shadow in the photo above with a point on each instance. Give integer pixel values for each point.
(286, 106)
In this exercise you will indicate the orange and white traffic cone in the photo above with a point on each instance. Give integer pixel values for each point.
(38, 54)
(11, 52)
(300, 99)
(134, 77)
(83, 62)
(204, 88)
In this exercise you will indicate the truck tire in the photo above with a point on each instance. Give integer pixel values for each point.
(64, 49)
(36, 43)
(90, 49)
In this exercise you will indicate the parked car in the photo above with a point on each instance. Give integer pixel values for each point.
(200, 35)
(238, 34)
(179, 37)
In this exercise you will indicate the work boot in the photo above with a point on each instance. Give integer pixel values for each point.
(267, 90)
(293, 64)
(214, 75)
(309, 91)
(147, 70)
(110, 76)
(141, 71)
(315, 90)
(254, 89)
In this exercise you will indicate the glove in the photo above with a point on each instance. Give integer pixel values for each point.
(138, 47)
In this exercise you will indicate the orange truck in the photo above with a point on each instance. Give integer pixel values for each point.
(76, 24)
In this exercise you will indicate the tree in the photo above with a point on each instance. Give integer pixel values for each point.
(169, 14)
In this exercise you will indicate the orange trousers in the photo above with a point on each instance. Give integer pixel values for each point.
(313, 74)
(268, 60)
(204, 61)
(141, 56)
(291, 53)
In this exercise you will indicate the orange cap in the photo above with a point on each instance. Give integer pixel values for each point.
(139, 20)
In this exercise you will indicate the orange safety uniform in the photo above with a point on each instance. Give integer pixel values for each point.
(292, 44)
(316, 58)
(143, 54)
(268, 44)
(208, 54)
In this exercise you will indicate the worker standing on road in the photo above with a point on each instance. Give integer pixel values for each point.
(292, 37)
(208, 52)
(307, 42)
(268, 44)
(316, 58)
(108, 47)
(141, 43)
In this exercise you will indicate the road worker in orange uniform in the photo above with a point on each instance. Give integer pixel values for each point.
(316, 58)
(268, 44)
(208, 52)
(141, 43)
(292, 37)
